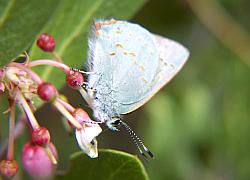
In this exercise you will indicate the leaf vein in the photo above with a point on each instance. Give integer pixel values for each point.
(118, 169)
(74, 34)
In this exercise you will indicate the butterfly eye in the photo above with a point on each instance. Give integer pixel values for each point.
(117, 123)
(114, 124)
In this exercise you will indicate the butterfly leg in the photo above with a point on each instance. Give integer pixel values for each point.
(81, 71)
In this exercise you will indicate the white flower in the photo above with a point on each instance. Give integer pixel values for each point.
(86, 138)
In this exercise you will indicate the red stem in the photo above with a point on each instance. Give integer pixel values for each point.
(57, 64)
(31, 118)
(67, 106)
(10, 152)
(32, 74)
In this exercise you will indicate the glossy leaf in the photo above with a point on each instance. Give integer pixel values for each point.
(109, 165)
(71, 25)
(20, 22)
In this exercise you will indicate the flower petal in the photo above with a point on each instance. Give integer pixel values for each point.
(86, 138)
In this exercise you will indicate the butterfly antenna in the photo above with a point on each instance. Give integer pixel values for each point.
(137, 141)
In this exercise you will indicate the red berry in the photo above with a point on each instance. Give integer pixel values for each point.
(46, 91)
(8, 168)
(46, 42)
(36, 161)
(40, 136)
(74, 79)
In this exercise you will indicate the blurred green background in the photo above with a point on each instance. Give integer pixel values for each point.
(198, 126)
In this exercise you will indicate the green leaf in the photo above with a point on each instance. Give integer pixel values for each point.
(20, 22)
(109, 165)
(70, 26)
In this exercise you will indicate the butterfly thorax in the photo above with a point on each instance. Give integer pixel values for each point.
(106, 114)
(104, 105)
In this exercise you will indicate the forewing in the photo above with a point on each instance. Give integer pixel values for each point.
(126, 59)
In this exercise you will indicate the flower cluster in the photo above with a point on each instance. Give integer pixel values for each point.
(22, 85)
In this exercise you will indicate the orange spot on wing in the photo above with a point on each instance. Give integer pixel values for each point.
(125, 53)
(97, 28)
(142, 68)
(119, 45)
(135, 61)
(111, 21)
(98, 25)
(132, 54)
(112, 54)
(144, 80)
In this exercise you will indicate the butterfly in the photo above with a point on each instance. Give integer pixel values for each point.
(128, 66)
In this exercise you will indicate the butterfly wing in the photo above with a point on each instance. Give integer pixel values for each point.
(172, 57)
(124, 58)
(131, 65)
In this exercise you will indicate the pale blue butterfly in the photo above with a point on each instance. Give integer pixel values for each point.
(128, 66)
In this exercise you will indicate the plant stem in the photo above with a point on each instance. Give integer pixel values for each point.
(86, 97)
(57, 57)
(19, 128)
(50, 154)
(57, 64)
(70, 108)
(10, 152)
(31, 118)
(66, 113)
(32, 74)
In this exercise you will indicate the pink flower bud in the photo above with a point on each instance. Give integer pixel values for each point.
(40, 136)
(36, 160)
(81, 116)
(8, 168)
(46, 91)
(2, 87)
(46, 42)
(74, 79)
(2, 73)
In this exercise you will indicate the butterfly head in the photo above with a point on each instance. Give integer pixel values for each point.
(114, 123)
